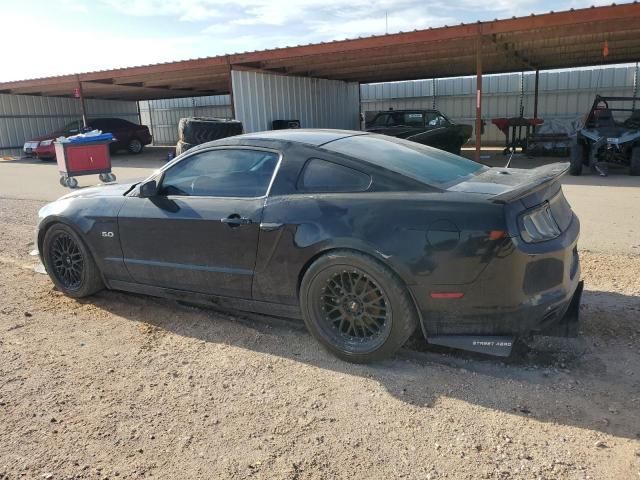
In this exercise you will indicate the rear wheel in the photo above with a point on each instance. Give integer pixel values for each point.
(634, 166)
(577, 158)
(69, 263)
(356, 307)
(135, 146)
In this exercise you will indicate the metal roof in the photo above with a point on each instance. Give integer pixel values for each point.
(574, 38)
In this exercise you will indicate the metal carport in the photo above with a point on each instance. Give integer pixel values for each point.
(580, 37)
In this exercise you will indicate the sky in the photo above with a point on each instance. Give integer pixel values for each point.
(54, 37)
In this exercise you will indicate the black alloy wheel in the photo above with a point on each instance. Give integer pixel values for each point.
(356, 307)
(67, 261)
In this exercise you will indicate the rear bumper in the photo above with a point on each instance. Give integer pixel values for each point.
(519, 293)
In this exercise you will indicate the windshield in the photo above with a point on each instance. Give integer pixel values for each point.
(420, 162)
(75, 125)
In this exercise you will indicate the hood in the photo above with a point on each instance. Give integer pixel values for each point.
(508, 184)
(99, 191)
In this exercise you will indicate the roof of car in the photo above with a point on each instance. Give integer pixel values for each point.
(410, 110)
(311, 136)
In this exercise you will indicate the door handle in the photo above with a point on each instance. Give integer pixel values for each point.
(234, 220)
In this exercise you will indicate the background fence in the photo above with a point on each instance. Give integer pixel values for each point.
(162, 116)
(565, 95)
(23, 117)
(260, 98)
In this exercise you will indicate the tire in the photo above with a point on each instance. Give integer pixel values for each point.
(196, 130)
(72, 182)
(182, 147)
(63, 181)
(344, 282)
(135, 146)
(104, 177)
(577, 159)
(634, 164)
(62, 246)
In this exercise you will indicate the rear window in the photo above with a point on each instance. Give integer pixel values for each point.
(425, 164)
(322, 176)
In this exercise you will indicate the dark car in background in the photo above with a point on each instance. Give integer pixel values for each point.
(129, 136)
(364, 236)
(428, 127)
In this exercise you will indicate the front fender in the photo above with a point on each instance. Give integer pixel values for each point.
(95, 221)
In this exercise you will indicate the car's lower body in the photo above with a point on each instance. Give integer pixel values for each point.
(362, 311)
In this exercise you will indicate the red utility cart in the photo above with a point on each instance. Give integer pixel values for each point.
(83, 158)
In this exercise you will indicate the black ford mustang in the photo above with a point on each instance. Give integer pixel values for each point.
(364, 236)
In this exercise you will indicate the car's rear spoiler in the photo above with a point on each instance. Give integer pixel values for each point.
(537, 179)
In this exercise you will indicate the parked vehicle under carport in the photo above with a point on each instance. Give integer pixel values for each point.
(428, 127)
(611, 136)
(128, 136)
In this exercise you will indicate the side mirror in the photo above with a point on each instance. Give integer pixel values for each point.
(149, 189)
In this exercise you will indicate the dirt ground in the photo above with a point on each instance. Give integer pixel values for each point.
(123, 386)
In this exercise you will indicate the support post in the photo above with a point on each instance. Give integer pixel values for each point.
(535, 101)
(478, 96)
(230, 86)
(82, 105)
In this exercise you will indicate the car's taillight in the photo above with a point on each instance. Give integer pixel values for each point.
(538, 225)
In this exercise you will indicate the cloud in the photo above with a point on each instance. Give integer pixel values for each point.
(31, 61)
(183, 29)
(185, 10)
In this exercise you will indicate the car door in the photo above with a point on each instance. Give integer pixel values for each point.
(200, 232)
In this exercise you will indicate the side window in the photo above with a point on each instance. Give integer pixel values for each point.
(381, 120)
(414, 119)
(323, 176)
(221, 173)
(438, 121)
(72, 128)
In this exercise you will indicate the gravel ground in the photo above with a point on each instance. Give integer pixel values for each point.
(123, 386)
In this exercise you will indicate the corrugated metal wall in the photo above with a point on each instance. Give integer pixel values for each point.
(318, 103)
(23, 117)
(564, 94)
(162, 116)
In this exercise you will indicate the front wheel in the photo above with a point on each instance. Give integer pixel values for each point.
(577, 159)
(69, 263)
(634, 166)
(356, 307)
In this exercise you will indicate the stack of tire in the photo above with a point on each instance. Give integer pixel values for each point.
(194, 131)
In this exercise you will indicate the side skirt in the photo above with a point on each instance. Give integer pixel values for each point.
(499, 346)
(225, 303)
